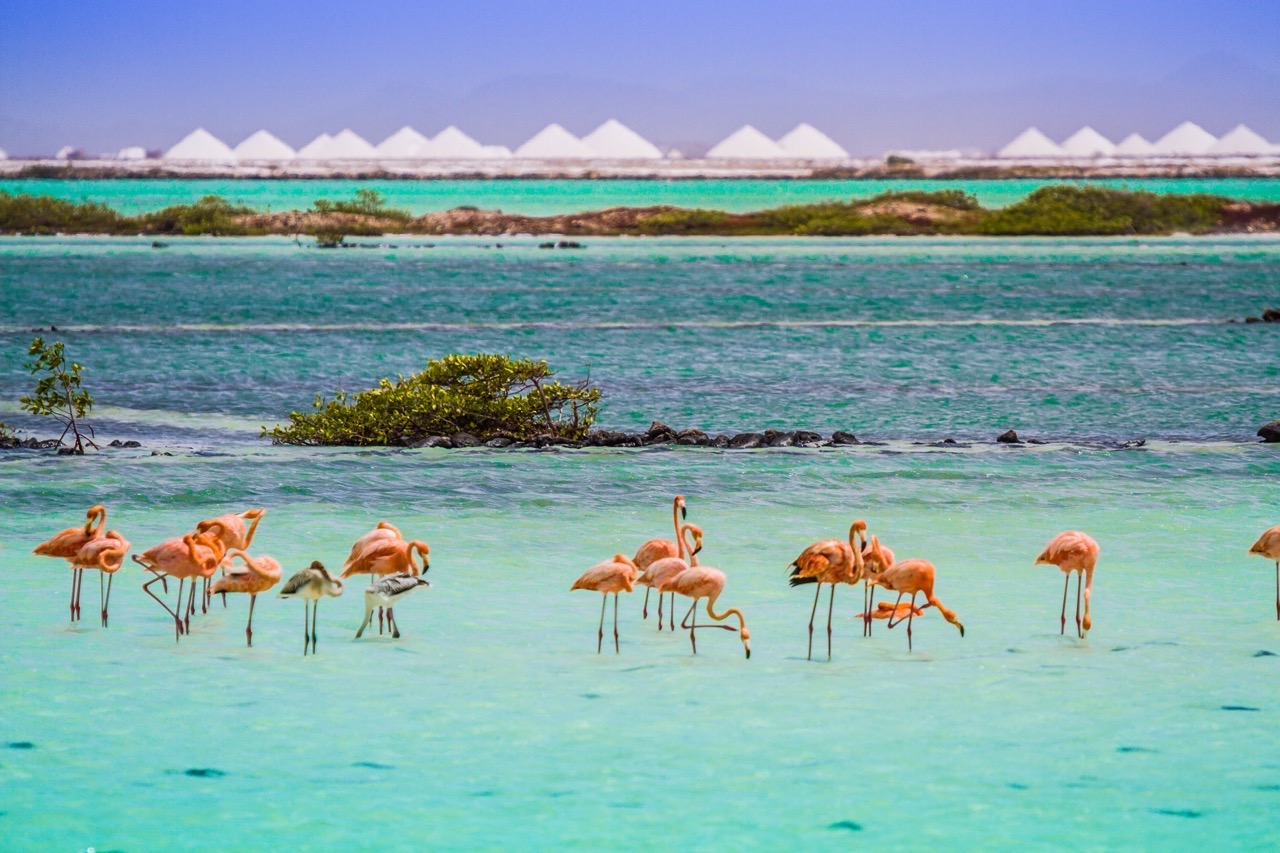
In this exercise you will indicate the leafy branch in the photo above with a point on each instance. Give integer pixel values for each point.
(58, 393)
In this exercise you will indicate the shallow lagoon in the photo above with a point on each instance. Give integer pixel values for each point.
(493, 722)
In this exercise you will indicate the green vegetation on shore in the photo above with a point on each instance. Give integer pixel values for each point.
(487, 396)
(1062, 210)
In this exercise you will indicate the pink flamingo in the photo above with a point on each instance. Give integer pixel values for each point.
(1268, 545)
(233, 535)
(385, 556)
(830, 561)
(383, 530)
(67, 544)
(1077, 552)
(611, 576)
(915, 577)
(191, 556)
(698, 582)
(258, 575)
(105, 554)
(660, 549)
(876, 561)
(668, 567)
(885, 610)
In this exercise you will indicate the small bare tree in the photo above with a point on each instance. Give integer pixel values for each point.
(58, 393)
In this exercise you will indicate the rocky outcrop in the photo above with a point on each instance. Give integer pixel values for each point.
(1008, 437)
(1270, 432)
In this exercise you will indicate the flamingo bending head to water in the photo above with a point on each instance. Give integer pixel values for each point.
(915, 577)
(385, 556)
(612, 576)
(383, 530)
(698, 582)
(233, 534)
(196, 555)
(1073, 551)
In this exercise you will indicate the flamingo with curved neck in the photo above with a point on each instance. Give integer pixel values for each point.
(698, 582)
(831, 561)
(258, 575)
(105, 554)
(662, 570)
(660, 549)
(66, 544)
(193, 556)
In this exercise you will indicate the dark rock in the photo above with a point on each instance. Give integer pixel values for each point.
(1127, 445)
(546, 245)
(118, 443)
(500, 441)
(1036, 441)
(693, 437)
(841, 437)
(71, 451)
(156, 244)
(433, 441)
(806, 438)
(1270, 432)
(659, 428)
(568, 244)
(1271, 315)
(776, 438)
(1008, 437)
(465, 439)
(949, 441)
(161, 453)
(1253, 319)
(47, 444)
(660, 438)
(747, 441)
(547, 440)
(720, 441)
(606, 438)
(633, 439)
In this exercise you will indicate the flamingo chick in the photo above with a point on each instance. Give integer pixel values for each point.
(660, 549)
(385, 556)
(830, 561)
(385, 593)
(106, 555)
(67, 544)
(698, 582)
(611, 576)
(311, 584)
(915, 577)
(1268, 545)
(1073, 551)
(258, 575)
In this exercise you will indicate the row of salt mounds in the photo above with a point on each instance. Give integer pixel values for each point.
(1243, 141)
(1186, 140)
(449, 144)
(804, 142)
(553, 142)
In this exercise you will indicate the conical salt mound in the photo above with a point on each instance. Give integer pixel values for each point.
(317, 149)
(1135, 145)
(1186, 139)
(1241, 141)
(1087, 142)
(497, 152)
(263, 146)
(349, 145)
(806, 142)
(201, 145)
(613, 140)
(747, 143)
(405, 144)
(452, 144)
(1031, 144)
(553, 142)
(133, 152)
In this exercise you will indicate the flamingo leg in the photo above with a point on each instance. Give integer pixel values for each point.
(1066, 582)
(1278, 590)
(661, 596)
(102, 604)
(178, 606)
(870, 604)
(71, 607)
(813, 615)
(204, 596)
(368, 619)
(604, 598)
(693, 611)
(79, 586)
(866, 608)
(616, 649)
(671, 613)
(107, 603)
(379, 620)
(191, 606)
(1079, 581)
(911, 615)
(306, 626)
(248, 629)
(391, 623)
(649, 589)
(315, 611)
(831, 606)
(892, 623)
(146, 588)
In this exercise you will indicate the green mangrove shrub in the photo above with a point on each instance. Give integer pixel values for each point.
(42, 214)
(486, 395)
(365, 203)
(58, 393)
(1068, 210)
(212, 215)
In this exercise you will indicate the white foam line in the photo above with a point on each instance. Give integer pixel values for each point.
(604, 325)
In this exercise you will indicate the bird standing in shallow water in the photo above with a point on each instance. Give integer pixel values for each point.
(1268, 545)
(611, 576)
(233, 534)
(668, 567)
(830, 561)
(1073, 551)
(385, 593)
(311, 584)
(660, 549)
(698, 582)
(258, 575)
(915, 577)
(67, 544)
(191, 556)
(105, 554)
(385, 556)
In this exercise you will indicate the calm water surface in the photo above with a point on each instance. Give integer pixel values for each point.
(493, 722)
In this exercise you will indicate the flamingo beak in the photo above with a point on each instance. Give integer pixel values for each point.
(684, 511)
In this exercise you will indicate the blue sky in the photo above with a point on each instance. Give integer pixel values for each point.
(873, 74)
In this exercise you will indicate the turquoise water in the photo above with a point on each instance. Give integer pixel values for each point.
(544, 197)
(493, 722)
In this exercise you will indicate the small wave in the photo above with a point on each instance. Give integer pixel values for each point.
(204, 328)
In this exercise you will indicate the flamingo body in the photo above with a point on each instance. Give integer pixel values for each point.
(914, 577)
(1073, 551)
(611, 576)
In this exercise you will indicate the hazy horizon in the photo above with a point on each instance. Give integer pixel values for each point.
(874, 76)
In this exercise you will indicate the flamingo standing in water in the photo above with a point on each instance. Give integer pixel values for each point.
(233, 535)
(311, 584)
(383, 530)
(875, 560)
(660, 549)
(1268, 545)
(188, 557)
(831, 561)
(384, 556)
(67, 544)
(915, 577)
(385, 592)
(668, 567)
(611, 576)
(258, 575)
(1077, 552)
(698, 582)
(105, 554)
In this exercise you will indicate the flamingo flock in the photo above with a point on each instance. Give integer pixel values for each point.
(396, 567)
